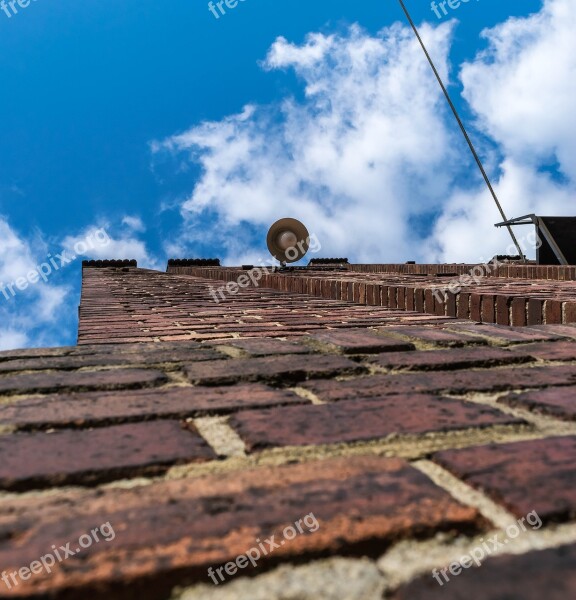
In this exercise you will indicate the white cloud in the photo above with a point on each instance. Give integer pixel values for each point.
(113, 242)
(11, 339)
(371, 148)
(40, 315)
(363, 153)
(134, 223)
(38, 307)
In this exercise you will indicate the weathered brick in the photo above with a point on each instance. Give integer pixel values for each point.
(96, 408)
(429, 302)
(171, 532)
(456, 382)
(466, 358)
(438, 337)
(566, 331)
(451, 304)
(537, 475)
(519, 312)
(108, 360)
(476, 307)
(488, 309)
(503, 304)
(569, 312)
(33, 460)
(556, 402)
(463, 305)
(553, 312)
(410, 299)
(361, 421)
(283, 369)
(507, 335)
(546, 574)
(402, 297)
(266, 347)
(357, 341)
(108, 379)
(535, 309)
(549, 350)
(419, 300)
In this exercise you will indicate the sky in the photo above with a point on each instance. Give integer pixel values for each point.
(153, 130)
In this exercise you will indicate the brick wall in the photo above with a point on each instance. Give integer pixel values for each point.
(505, 300)
(199, 430)
(507, 271)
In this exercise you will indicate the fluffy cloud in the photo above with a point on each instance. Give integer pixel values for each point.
(134, 223)
(362, 155)
(369, 158)
(42, 312)
(110, 241)
(27, 316)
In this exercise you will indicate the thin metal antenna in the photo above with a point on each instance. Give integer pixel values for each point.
(465, 133)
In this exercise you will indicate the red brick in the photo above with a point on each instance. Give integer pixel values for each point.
(466, 358)
(553, 312)
(266, 347)
(570, 312)
(476, 307)
(419, 300)
(503, 304)
(357, 341)
(488, 309)
(556, 402)
(371, 295)
(402, 297)
(393, 297)
(33, 460)
(110, 379)
(429, 302)
(283, 369)
(535, 309)
(169, 533)
(463, 305)
(410, 299)
(537, 475)
(507, 335)
(546, 574)
(361, 421)
(384, 298)
(549, 350)
(432, 335)
(102, 360)
(97, 408)
(560, 331)
(456, 382)
(451, 305)
(36, 352)
(519, 314)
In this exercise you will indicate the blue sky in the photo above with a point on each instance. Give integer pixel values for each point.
(129, 116)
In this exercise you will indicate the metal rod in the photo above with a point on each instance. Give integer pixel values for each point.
(463, 129)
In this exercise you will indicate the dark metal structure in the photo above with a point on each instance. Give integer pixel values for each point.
(556, 237)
